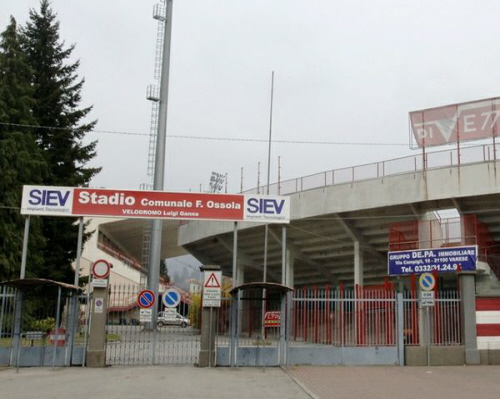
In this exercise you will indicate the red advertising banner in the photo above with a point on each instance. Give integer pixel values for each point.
(473, 120)
(70, 201)
(272, 319)
(157, 204)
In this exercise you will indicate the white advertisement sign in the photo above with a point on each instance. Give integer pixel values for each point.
(80, 201)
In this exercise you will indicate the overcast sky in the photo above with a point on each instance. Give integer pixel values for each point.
(345, 71)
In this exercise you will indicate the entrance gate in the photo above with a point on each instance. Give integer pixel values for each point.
(340, 326)
(175, 340)
(41, 323)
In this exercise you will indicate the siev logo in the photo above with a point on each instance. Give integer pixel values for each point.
(39, 197)
(265, 206)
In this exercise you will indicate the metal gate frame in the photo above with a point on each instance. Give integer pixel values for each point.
(35, 339)
(361, 326)
(130, 342)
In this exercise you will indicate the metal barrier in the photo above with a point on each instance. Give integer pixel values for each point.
(7, 306)
(344, 317)
(331, 326)
(47, 335)
(393, 167)
(367, 316)
(258, 325)
(331, 317)
(444, 319)
(175, 340)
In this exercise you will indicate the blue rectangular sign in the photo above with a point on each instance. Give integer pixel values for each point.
(418, 261)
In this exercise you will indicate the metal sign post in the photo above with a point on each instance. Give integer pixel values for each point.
(211, 299)
(427, 282)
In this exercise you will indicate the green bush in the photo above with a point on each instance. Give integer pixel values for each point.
(46, 325)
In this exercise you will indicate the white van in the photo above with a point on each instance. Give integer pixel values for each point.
(172, 318)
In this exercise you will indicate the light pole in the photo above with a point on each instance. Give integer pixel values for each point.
(159, 170)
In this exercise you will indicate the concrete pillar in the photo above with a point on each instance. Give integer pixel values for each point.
(469, 327)
(358, 264)
(283, 255)
(290, 269)
(209, 319)
(96, 350)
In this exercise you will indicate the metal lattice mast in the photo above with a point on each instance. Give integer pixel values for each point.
(153, 95)
(153, 91)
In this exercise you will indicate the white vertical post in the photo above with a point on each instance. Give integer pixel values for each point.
(25, 247)
(358, 264)
(157, 224)
(283, 256)
(235, 254)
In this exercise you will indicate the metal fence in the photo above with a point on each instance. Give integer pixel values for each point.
(443, 319)
(258, 321)
(344, 317)
(223, 325)
(412, 164)
(130, 342)
(7, 304)
(335, 317)
(368, 317)
(50, 331)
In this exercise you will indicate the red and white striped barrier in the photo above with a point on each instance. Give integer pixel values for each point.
(488, 322)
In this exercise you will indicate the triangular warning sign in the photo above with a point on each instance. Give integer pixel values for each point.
(212, 281)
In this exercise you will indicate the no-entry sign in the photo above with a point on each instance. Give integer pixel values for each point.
(101, 268)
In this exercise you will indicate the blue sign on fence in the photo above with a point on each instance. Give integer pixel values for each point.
(427, 282)
(171, 298)
(146, 299)
(453, 259)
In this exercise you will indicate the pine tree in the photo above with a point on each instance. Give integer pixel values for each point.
(20, 159)
(63, 126)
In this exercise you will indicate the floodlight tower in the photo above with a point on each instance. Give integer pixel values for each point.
(162, 12)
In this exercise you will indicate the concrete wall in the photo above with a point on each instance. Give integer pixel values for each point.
(308, 355)
(446, 356)
(439, 356)
(249, 356)
(490, 356)
(434, 184)
(33, 356)
(346, 356)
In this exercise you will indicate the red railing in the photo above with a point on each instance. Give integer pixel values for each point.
(121, 257)
(366, 316)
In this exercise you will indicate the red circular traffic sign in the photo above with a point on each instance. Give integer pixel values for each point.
(58, 336)
(146, 299)
(101, 268)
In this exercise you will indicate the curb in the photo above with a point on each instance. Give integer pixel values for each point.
(300, 384)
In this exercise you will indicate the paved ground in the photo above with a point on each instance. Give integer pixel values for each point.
(156, 382)
(457, 382)
(251, 383)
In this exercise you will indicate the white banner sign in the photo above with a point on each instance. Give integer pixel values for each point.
(77, 201)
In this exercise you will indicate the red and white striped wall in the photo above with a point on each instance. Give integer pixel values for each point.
(488, 322)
